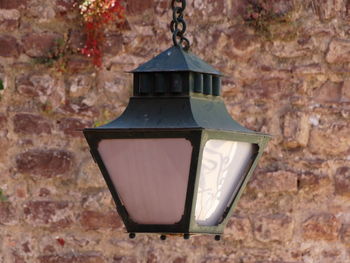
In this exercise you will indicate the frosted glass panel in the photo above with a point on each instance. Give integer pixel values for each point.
(150, 176)
(223, 165)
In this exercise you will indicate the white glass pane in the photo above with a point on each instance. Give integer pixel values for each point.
(223, 165)
(150, 176)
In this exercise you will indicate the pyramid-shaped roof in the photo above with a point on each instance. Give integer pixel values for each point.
(176, 59)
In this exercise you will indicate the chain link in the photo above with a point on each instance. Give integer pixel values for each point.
(178, 25)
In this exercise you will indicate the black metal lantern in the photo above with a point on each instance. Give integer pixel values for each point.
(175, 161)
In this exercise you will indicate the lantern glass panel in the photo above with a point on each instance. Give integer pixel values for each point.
(150, 176)
(224, 164)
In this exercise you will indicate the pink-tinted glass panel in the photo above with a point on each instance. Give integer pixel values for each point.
(150, 176)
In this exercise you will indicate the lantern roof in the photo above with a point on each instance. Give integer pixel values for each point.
(177, 59)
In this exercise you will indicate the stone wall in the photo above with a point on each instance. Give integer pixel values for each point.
(287, 67)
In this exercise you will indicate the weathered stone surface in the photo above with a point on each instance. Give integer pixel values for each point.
(3, 119)
(236, 43)
(12, 4)
(41, 44)
(338, 51)
(332, 141)
(124, 260)
(31, 124)
(280, 181)
(45, 163)
(73, 127)
(277, 227)
(296, 129)
(35, 85)
(92, 220)
(345, 234)
(328, 9)
(48, 213)
(289, 50)
(8, 46)
(321, 227)
(77, 40)
(79, 85)
(7, 213)
(135, 7)
(328, 92)
(64, 6)
(310, 181)
(9, 19)
(17, 258)
(72, 258)
(41, 12)
(210, 9)
(342, 181)
(309, 69)
(345, 92)
(79, 64)
(79, 108)
(239, 228)
(113, 44)
(180, 260)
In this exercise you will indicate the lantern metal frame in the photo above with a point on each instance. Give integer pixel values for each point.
(188, 114)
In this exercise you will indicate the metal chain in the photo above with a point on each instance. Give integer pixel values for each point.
(178, 25)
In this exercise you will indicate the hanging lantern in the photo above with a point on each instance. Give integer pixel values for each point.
(175, 161)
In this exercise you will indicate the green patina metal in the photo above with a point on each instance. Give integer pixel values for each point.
(177, 95)
(175, 59)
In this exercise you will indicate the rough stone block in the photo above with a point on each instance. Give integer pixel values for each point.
(239, 228)
(45, 163)
(48, 213)
(77, 40)
(3, 119)
(345, 92)
(135, 7)
(73, 127)
(274, 182)
(210, 8)
(93, 220)
(338, 51)
(296, 129)
(79, 85)
(41, 44)
(79, 64)
(64, 6)
(345, 234)
(328, 9)
(180, 260)
(310, 181)
(236, 43)
(79, 108)
(276, 227)
(289, 50)
(31, 124)
(113, 44)
(9, 19)
(309, 69)
(12, 4)
(8, 46)
(332, 141)
(35, 85)
(342, 181)
(7, 213)
(329, 92)
(321, 227)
